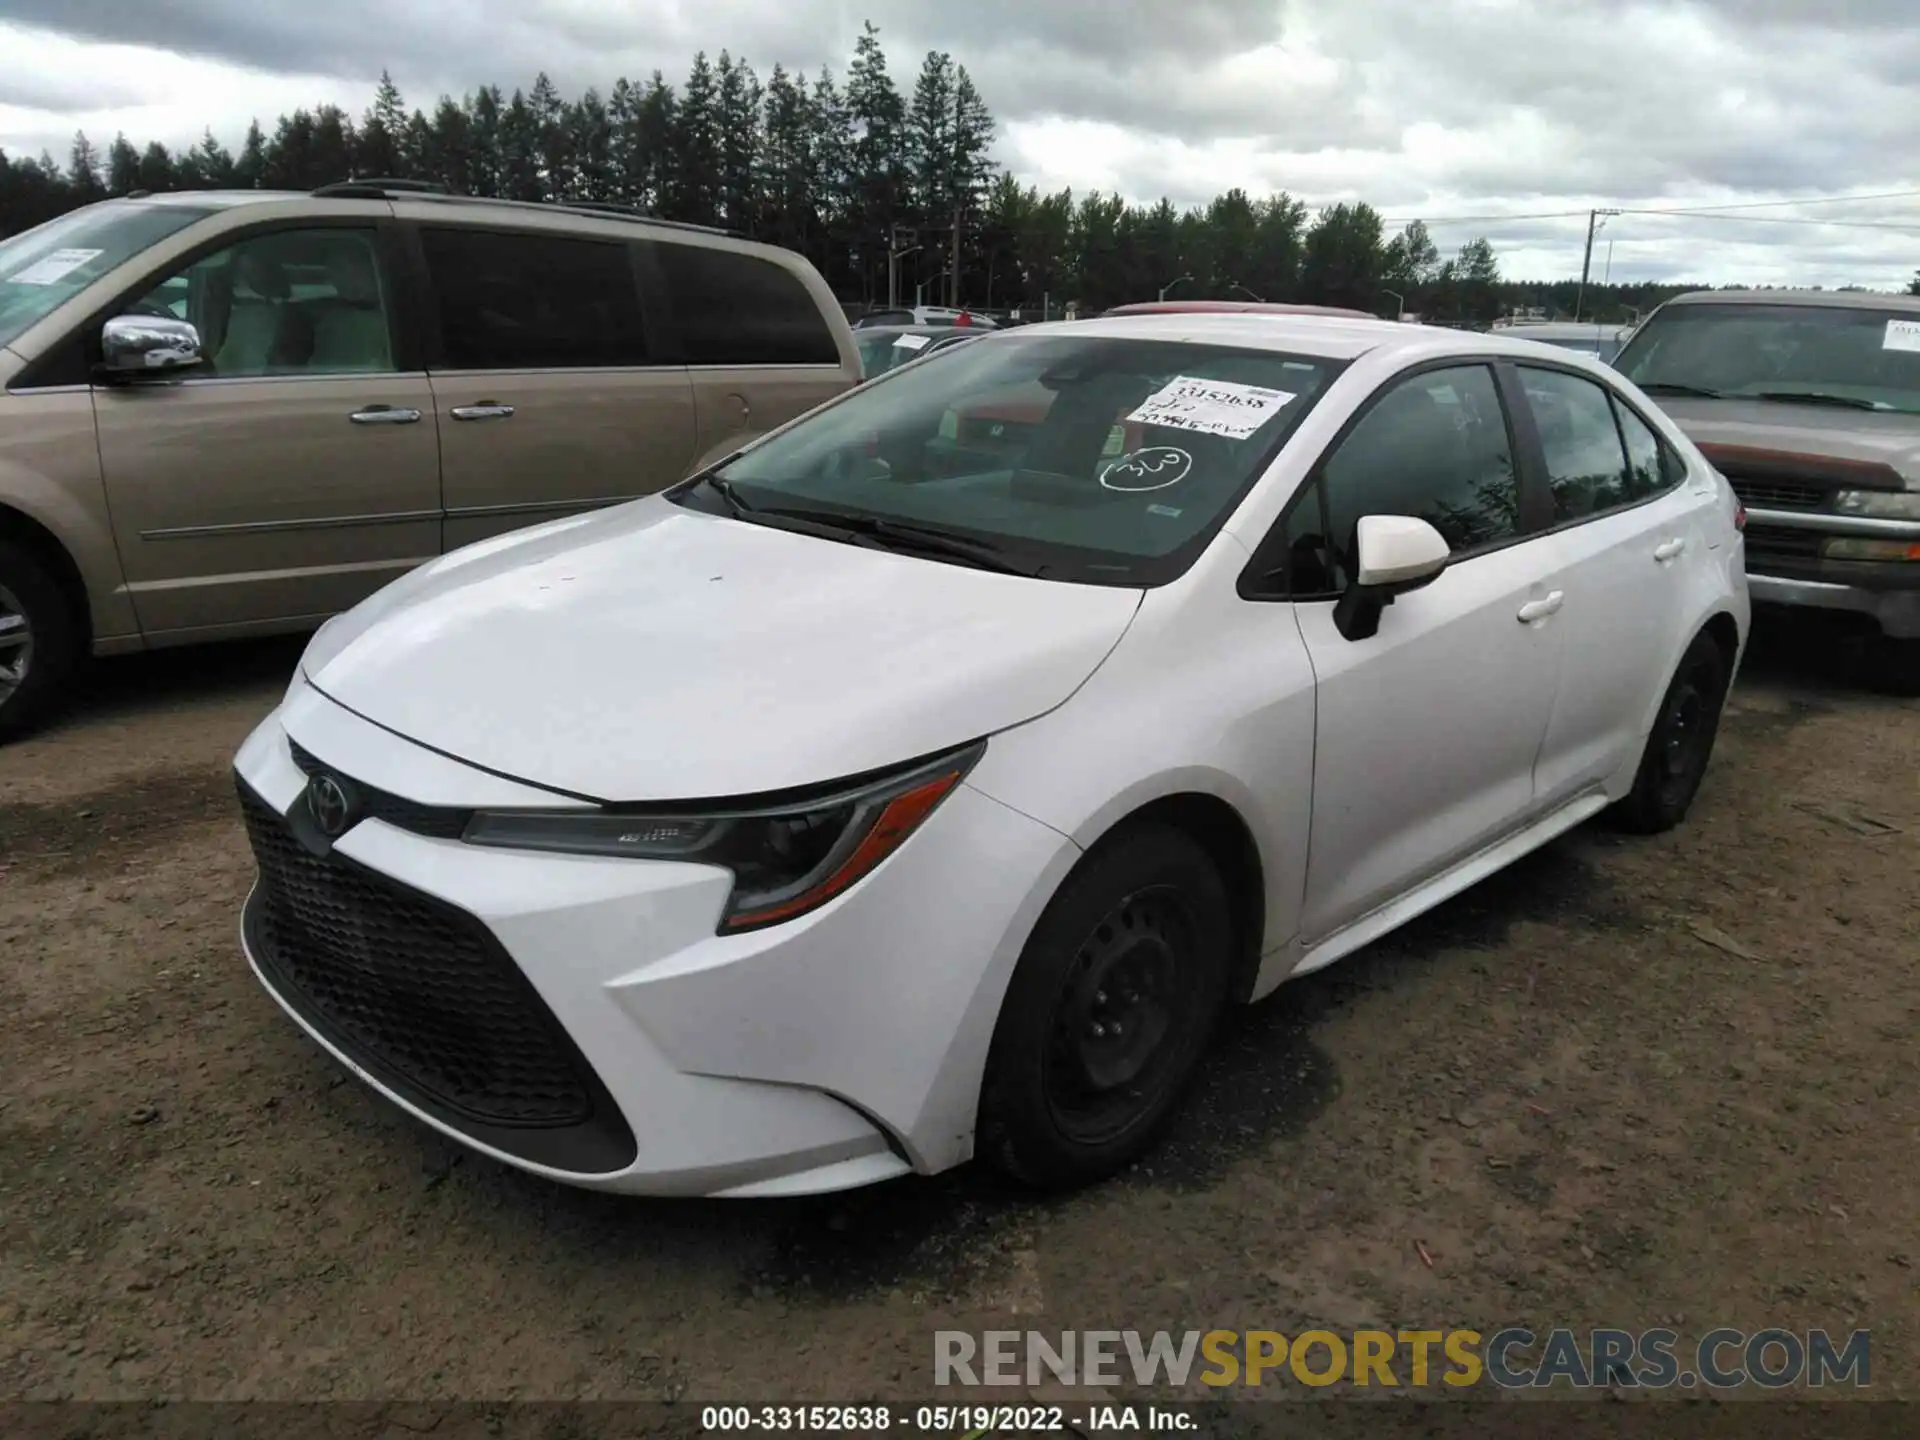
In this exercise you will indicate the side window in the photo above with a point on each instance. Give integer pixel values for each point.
(1651, 466)
(734, 309)
(292, 302)
(1433, 446)
(1586, 464)
(521, 301)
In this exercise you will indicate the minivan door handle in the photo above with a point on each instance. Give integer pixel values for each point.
(384, 415)
(485, 410)
(1540, 609)
(1669, 551)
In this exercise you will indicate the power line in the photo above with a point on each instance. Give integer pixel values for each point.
(1666, 210)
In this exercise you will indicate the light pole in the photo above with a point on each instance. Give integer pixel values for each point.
(1171, 283)
(895, 254)
(1236, 285)
(1402, 312)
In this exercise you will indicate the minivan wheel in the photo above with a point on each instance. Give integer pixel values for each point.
(38, 642)
(1680, 744)
(1109, 1011)
(1893, 665)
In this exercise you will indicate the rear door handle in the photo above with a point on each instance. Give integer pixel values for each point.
(384, 415)
(485, 410)
(1539, 609)
(1670, 550)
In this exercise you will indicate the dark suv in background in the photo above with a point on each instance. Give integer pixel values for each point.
(1809, 403)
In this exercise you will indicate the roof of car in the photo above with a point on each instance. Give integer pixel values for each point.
(1333, 336)
(1223, 307)
(1565, 329)
(1828, 299)
(938, 330)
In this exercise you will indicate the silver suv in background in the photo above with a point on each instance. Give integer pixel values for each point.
(230, 413)
(1809, 403)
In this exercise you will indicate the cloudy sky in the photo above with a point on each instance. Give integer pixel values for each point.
(1452, 110)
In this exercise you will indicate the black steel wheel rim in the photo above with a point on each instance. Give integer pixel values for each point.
(16, 644)
(1123, 1019)
(1686, 728)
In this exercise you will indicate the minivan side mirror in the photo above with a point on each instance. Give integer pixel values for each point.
(1392, 555)
(135, 345)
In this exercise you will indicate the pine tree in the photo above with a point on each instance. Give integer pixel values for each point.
(123, 166)
(377, 151)
(521, 166)
(212, 163)
(930, 142)
(83, 171)
(737, 106)
(877, 172)
(595, 176)
(333, 147)
(251, 168)
(447, 149)
(155, 173)
(487, 156)
(695, 190)
(554, 143)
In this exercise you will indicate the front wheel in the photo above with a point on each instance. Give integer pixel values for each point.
(1109, 1011)
(1681, 742)
(39, 643)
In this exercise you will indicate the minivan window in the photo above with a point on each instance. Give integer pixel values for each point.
(516, 300)
(1103, 460)
(1851, 355)
(42, 268)
(289, 302)
(734, 309)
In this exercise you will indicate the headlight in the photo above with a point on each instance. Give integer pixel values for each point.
(786, 859)
(1879, 504)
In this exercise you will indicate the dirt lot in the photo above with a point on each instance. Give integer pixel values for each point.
(1629, 1082)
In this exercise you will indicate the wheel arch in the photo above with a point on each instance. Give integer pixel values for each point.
(32, 536)
(1219, 829)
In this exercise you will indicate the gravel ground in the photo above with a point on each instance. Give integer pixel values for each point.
(1628, 1082)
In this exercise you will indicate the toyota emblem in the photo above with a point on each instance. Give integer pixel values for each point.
(329, 804)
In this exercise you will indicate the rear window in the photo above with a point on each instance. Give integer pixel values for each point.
(523, 301)
(734, 309)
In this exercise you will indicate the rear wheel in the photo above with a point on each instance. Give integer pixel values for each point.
(1894, 665)
(1681, 742)
(1109, 1011)
(39, 642)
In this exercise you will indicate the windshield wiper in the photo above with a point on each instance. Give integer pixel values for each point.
(1670, 387)
(1820, 397)
(903, 535)
(723, 487)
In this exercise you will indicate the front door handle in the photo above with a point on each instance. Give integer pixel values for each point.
(1669, 551)
(384, 415)
(1540, 609)
(485, 410)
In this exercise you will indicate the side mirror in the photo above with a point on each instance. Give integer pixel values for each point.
(134, 345)
(1392, 555)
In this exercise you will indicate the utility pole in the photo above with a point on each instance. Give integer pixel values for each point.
(954, 285)
(1594, 222)
(895, 253)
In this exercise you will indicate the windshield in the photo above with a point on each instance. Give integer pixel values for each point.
(1104, 460)
(43, 268)
(1867, 357)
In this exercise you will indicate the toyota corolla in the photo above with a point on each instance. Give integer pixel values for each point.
(870, 802)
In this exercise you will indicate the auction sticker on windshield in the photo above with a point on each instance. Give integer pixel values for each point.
(1902, 335)
(49, 269)
(912, 342)
(1212, 407)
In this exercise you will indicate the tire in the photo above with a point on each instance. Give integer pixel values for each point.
(1068, 1100)
(1680, 744)
(34, 675)
(1893, 666)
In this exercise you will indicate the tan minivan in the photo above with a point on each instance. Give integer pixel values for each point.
(232, 413)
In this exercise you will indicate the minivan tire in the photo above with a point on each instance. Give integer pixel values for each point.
(1893, 665)
(28, 589)
(1140, 935)
(1680, 743)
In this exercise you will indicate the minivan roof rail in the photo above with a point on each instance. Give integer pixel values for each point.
(438, 194)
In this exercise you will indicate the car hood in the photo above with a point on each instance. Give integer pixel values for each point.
(1831, 432)
(650, 652)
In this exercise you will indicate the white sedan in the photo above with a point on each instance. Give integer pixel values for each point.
(924, 781)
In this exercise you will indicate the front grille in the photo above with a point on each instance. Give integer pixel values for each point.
(1770, 543)
(1778, 495)
(421, 995)
(440, 822)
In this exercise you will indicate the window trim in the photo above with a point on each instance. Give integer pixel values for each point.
(84, 337)
(658, 355)
(1267, 576)
(1538, 453)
